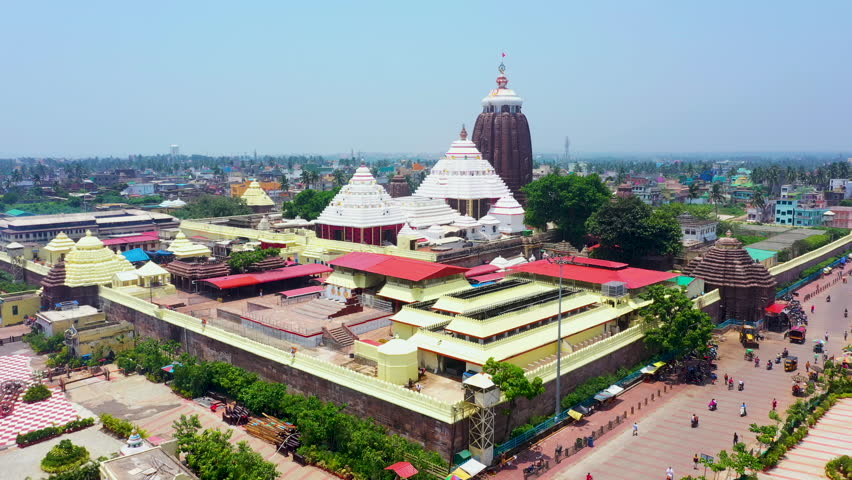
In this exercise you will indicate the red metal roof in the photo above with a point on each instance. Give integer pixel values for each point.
(142, 237)
(633, 277)
(298, 292)
(403, 469)
(776, 308)
(481, 270)
(286, 273)
(599, 263)
(489, 277)
(396, 267)
(370, 342)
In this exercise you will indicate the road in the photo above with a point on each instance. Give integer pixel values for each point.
(665, 436)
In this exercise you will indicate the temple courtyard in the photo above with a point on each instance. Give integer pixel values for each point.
(151, 406)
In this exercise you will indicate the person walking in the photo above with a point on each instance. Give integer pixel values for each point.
(726, 378)
(670, 473)
(695, 462)
(774, 404)
(812, 308)
(807, 366)
(826, 335)
(589, 476)
(635, 429)
(845, 332)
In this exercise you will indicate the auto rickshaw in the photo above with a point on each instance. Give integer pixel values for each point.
(749, 354)
(791, 363)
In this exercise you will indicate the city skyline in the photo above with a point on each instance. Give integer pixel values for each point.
(103, 79)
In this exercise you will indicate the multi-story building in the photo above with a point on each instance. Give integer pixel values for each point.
(40, 229)
(789, 211)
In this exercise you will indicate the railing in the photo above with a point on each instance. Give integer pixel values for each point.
(810, 278)
(783, 267)
(425, 404)
(573, 360)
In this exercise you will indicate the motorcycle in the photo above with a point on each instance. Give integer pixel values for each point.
(731, 385)
(694, 422)
(778, 358)
(742, 386)
(828, 299)
(712, 406)
(768, 365)
(536, 468)
(743, 411)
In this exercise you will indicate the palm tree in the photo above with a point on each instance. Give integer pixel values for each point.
(339, 177)
(716, 195)
(694, 190)
(285, 185)
(757, 198)
(306, 177)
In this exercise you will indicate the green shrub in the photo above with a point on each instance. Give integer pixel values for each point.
(120, 427)
(37, 393)
(89, 471)
(839, 468)
(521, 430)
(64, 457)
(53, 431)
(41, 344)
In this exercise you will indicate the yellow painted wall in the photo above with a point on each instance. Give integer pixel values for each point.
(524, 359)
(88, 341)
(428, 359)
(365, 350)
(582, 336)
(15, 306)
(398, 369)
(404, 331)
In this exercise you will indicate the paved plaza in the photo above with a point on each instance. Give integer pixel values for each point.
(665, 436)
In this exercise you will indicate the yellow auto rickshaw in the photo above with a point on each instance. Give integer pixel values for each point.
(791, 363)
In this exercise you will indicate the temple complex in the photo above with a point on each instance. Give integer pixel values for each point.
(192, 263)
(422, 213)
(89, 264)
(510, 215)
(362, 212)
(464, 179)
(256, 198)
(746, 287)
(183, 248)
(502, 134)
(398, 187)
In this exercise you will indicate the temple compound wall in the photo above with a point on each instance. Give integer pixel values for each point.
(432, 433)
(790, 271)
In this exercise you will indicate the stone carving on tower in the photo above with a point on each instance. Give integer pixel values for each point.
(502, 134)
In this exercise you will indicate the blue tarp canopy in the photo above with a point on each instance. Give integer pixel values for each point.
(136, 255)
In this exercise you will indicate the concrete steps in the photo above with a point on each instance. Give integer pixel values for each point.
(340, 336)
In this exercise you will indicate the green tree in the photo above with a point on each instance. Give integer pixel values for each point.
(672, 322)
(568, 201)
(340, 177)
(264, 397)
(628, 230)
(694, 191)
(207, 206)
(240, 261)
(308, 204)
(717, 196)
(211, 456)
(513, 383)
(765, 434)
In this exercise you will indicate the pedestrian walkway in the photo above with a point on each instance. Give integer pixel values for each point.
(829, 438)
(665, 436)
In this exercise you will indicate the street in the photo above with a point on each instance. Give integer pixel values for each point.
(665, 435)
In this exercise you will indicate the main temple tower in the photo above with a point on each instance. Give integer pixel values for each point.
(502, 134)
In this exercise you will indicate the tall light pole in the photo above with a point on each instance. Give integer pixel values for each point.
(559, 260)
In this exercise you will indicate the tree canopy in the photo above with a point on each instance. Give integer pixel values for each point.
(239, 261)
(673, 323)
(207, 206)
(628, 229)
(513, 383)
(568, 201)
(308, 204)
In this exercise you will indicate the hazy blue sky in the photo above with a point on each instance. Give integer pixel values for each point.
(79, 78)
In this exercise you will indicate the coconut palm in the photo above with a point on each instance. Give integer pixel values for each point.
(694, 191)
(717, 196)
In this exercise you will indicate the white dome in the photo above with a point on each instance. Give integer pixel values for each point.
(489, 220)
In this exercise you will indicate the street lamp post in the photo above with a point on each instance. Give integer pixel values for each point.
(559, 261)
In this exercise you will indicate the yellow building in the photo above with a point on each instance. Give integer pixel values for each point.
(146, 282)
(15, 306)
(55, 251)
(91, 263)
(88, 329)
(238, 189)
(256, 198)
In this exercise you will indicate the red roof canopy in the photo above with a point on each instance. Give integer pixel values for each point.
(286, 273)
(489, 277)
(403, 469)
(633, 277)
(481, 270)
(776, 308)
(142, 237)
(396, 267)
(298, 292)
(595, 262)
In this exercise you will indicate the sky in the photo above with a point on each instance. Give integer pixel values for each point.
(225, 78)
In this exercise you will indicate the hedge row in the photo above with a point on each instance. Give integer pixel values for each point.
(120, 427)
(24, 439)
(839, 468)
